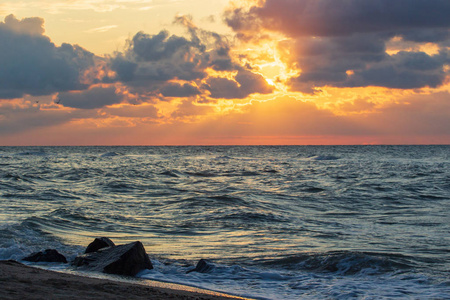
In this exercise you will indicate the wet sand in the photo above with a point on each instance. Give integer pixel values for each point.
(19, 281)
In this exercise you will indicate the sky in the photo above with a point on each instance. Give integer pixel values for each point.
(220, 72)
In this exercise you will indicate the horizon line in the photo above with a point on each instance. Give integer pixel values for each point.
(225, 145)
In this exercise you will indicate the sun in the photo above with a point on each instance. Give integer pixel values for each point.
(270, 81)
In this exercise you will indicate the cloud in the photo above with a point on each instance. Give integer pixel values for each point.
(101, 29)
(56, 7)
(28, 119)
(245, 83)
(31, 26)
(124, 68)
(421, 35)
(159, 46)
(154, 59)
(143, 111)
(151, 64)
(339, 17)
(278, 120)
(287, 120)
(343, 43)
(29, 115)
(32, 64)
(178, 90)
(409, 119)
(405, 70)
(189, 109)
(358, 61)
(415, 115)
(222, 64)
(95, 97)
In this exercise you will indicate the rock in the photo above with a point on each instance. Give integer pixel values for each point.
(98, 244)
(127, 259)
(203, 266)
(49, 255)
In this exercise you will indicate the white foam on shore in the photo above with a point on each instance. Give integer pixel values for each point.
(275, 284)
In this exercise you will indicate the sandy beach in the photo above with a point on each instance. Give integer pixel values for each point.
(24, 282)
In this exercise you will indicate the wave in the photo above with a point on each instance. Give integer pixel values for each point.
(248, 173)
(32, 153)
(313, 189)
(172, 173)
(344, 262)
(16, 177)
(23, 238)
(269, 281)
(119, 186)
(220, 201)
(228, 173)
(269, 170)
(110, 154)
(324, 157)
(264, 217)
(202, 174)
(223, 157)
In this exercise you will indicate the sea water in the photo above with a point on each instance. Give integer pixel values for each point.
(276, 222)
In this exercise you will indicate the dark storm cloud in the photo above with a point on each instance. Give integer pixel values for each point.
(245, 83)
(96, 97)
(343, 43)
(32, 64)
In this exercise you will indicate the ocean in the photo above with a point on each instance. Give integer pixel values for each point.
(276, 222)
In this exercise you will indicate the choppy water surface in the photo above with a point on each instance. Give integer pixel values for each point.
(277, 222)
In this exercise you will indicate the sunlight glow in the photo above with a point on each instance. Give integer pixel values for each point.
(270, 81)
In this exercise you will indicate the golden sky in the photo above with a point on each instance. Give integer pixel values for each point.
(198, 72)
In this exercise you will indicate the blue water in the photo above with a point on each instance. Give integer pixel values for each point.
(300, 222)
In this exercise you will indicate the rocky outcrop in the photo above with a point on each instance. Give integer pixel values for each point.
(203, 266)
(127, 259)
(49, 255)
(98, 244)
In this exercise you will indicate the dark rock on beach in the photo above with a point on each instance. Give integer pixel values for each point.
(127, 259)
(98, 244)
(203, 266)
(49, 255)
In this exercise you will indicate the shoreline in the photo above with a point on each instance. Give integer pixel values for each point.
(20, 281)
